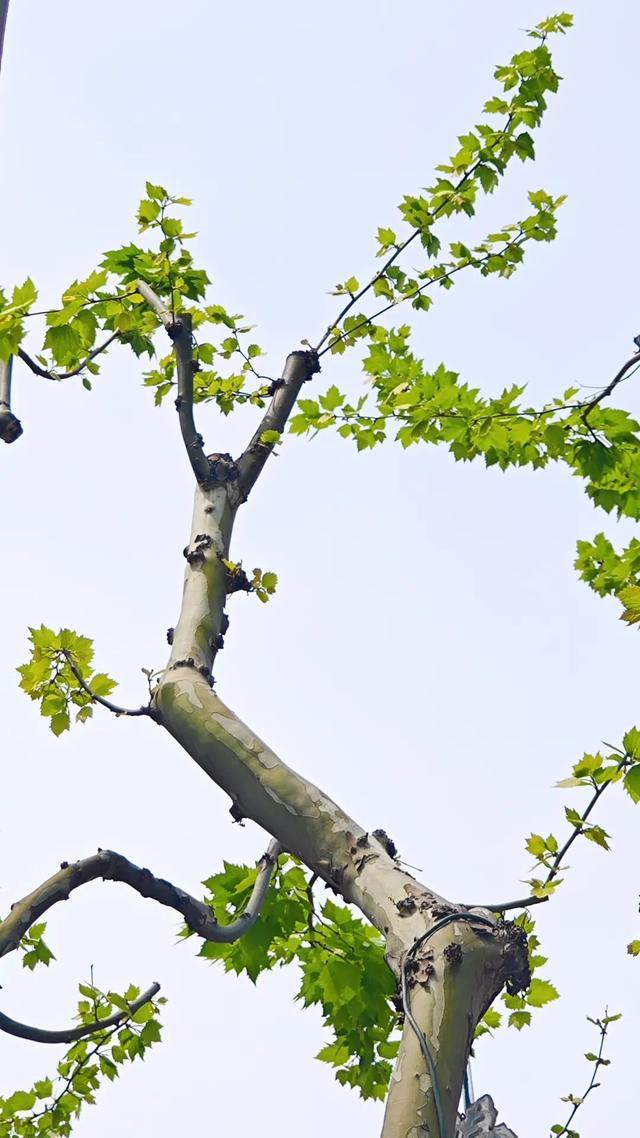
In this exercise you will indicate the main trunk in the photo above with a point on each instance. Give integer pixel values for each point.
(449, 988)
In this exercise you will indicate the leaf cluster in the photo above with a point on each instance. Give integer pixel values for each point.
(51, 1107)
(49, 676)
(341, 963)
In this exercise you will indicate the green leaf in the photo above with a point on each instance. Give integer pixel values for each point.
(631, 743)
(598, 835)
(270, 438)
(633, 948)
(536, 845)
(541, 992)
(519, 1020)
(156, 193)
(332, 399)
(632, 782)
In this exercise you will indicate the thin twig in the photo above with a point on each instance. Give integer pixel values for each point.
(111, 866)
(113, 707)
(70, 1035)
(46, 373)
(597, 1063)
(556, 864)
(404, 244)
(88, 303)
(418, 291)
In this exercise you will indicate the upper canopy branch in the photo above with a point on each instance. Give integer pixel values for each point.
(299, 367)
(71, 1034)
(112, 866)
(610, 388)
(180, 332)
(47, 373)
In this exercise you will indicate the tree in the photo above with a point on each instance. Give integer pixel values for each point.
(439, 958)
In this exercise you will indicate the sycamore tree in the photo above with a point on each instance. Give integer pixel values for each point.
(406, 980)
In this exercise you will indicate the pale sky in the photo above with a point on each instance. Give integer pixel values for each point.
(430, 659)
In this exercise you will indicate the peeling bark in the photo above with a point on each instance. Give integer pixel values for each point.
(456, 977)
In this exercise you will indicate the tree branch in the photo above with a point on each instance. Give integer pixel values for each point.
(399, 249)
(112, 866)
(180, 333)
(70, 1035)
(418, 292)
(4, 9)
(45, 373)
(113, 707)
(556, 864)
(299, 367)
(618, 378)
(598, 1061)
(10, 426)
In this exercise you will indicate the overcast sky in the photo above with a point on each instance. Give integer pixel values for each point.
(430, 659)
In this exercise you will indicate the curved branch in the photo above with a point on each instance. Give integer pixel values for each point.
(70, 1035)
(113, 707)
(48, 374)
(10, 426)
(112, 866)
(180, 333)
(299, 367)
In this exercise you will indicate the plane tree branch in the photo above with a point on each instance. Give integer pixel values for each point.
(48, 373)
(10, 426)
(113, 707)
(111, 866)
(71, 1034)
(179, 330)
(299, 367)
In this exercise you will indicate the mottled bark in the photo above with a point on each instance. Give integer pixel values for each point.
(451, 987)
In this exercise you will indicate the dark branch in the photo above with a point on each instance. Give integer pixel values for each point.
(114, 707)
(10, 426)
(46, 373)
(4, 9)
(598, 1062)
(112, 866)
(180, 333)
(606, 391)
(300, 366)
(418, 292)
(70, 1035)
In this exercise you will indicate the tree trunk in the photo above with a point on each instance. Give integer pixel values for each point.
(449, 987)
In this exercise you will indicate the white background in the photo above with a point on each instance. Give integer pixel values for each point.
(430, 658)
